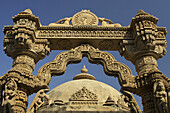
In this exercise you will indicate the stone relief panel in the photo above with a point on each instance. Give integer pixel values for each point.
(83, 97)
(40, 100)
(83, 94)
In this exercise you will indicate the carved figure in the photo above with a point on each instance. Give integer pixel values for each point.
(107, 22)
(160, 98)
(131, 101)
(63, 22)
(39, 100)
(9, 96)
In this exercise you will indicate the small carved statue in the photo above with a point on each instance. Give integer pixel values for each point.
(160, 98)
(39, 100)
(9, 96)
(131, 102)
(62, 22)
(107, 22)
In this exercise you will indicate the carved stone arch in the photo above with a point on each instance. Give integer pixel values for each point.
(110, 65)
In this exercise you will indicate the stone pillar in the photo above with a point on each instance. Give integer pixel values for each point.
(21, 44)
(149, 45)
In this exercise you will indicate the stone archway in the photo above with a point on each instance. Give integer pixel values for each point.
(142, 43)
(110, 65)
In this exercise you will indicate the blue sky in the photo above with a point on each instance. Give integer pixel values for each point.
(119, 11)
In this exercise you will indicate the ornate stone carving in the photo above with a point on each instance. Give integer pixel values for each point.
(40, 99)
(111, 66)
(108, 23)
(83, 94)
(21, 44)
(160, 98)
(148, 46)
(142, 43)
(27, 22)
(83, 97)
(85, 17)
(82, 19)
(146, 63)
(62, 22)
(9, 96)
(23, 37)
(131, 101)
(14, 101)
(84, 33)
(23, 59)
(148, 38)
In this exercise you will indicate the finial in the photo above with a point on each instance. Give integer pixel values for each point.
(28, 11)
(84, 70)
(142, 12)
(84, 75)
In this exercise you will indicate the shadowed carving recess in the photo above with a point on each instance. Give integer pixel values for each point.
(110, 65)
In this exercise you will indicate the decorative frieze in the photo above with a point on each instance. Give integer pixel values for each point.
(83, 33)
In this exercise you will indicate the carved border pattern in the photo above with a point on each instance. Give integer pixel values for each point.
(111, 66)
(83, 33)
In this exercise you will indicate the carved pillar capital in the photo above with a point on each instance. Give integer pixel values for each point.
(149, 41)
(20, 39)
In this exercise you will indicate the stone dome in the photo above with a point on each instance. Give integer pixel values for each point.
(85, 93)
(101, 90)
